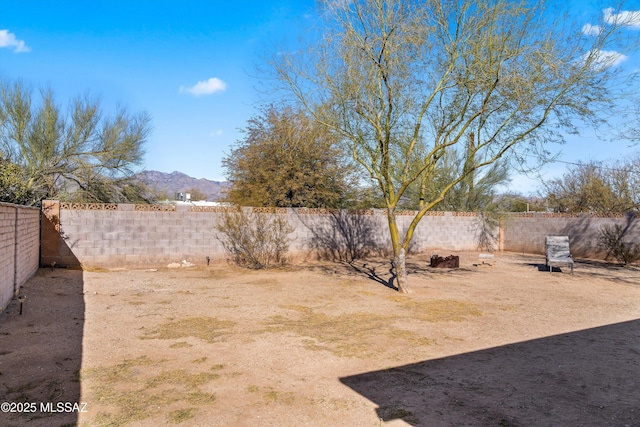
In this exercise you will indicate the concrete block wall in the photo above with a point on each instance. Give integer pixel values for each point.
(526, 232)
(135, 235)
(131, 235)
(19, 248)
(128, 237)
(446, 231)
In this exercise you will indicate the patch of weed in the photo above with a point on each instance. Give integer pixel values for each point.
(119, 387)
(200, 398)
(117, 373)
(396, 411)
(347, 335)
(180, 415)
(410, 337)
(208, 329)
(181, 377)
(273, 396)
(180, 344)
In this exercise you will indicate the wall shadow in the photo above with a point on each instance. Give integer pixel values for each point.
(583, 234)
(41, 349)
(582, 378)
(56, 249)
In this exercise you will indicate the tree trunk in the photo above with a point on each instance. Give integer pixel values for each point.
(399, 255)
(400, 265)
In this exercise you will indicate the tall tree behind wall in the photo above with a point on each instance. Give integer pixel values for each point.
(79, 154)
(286, 159)
(597, 187)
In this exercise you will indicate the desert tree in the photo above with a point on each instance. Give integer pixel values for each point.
(476, 193)
(13, 187)
(597, 187)
(78, 153)
(287, 159)
(404, 83)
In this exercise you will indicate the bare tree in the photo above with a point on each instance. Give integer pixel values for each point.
(404, 83)
(77, 154)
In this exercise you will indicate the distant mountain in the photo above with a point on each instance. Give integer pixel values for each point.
(178, 182)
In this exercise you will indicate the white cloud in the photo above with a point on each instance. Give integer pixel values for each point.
(8, 39)
(591, 30)
(624, 17)
(608, 58)
(205, 87)
(216, 133)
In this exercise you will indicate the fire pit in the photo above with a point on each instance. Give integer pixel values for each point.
(452, 261)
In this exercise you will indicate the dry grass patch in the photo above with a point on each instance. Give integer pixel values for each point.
(181, 377)
(118, 387)
(208, 329)
(271, 396)
(280, 397)
(117, 373)
(347, 335)
(437, 310)
(180, 344)
(180, 415)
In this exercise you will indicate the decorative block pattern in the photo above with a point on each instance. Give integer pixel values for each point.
(270, 210)
(213, 209)
(155, 208)
(90, 206)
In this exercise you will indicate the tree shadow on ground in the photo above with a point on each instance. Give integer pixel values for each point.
(582, 378)
(40, 359)
(381, 271)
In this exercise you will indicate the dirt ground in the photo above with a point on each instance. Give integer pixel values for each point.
(326, 344)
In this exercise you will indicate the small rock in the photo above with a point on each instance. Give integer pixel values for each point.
(173, 265)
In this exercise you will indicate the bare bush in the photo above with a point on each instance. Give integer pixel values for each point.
(611, 239)
(254, 240)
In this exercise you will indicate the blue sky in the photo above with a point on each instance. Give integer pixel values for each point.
(190, 64)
